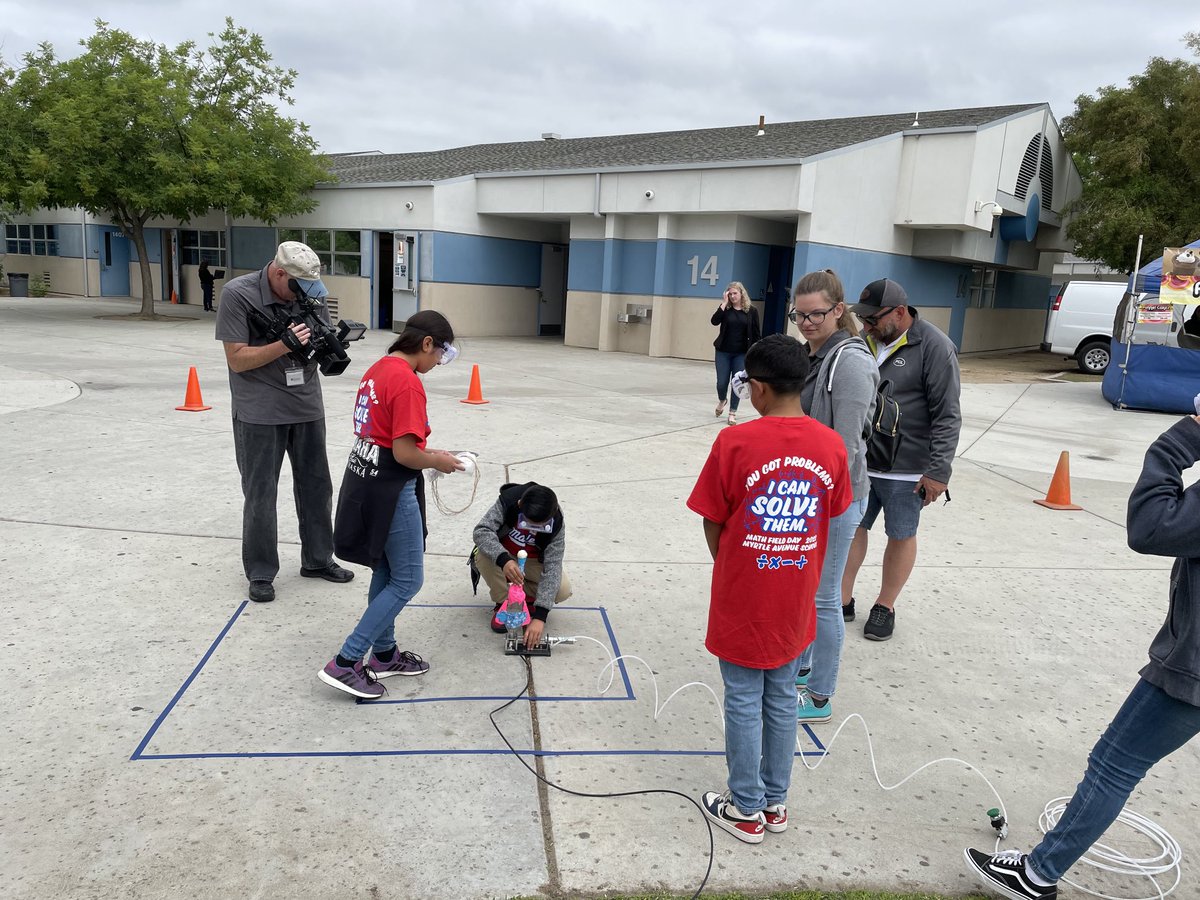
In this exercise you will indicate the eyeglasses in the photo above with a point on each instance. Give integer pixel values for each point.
(874, 320)
(816, 317)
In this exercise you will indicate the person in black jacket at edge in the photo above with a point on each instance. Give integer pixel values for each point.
(1162, 713)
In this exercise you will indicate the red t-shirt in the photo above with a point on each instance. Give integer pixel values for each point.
(773, 483)
(390, 404)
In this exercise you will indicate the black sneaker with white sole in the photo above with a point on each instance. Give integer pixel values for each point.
(880, 624)
(848, 611)
(1005, 874)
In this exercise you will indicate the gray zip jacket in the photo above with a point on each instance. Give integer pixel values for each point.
(923, 371)
(1164, 520)
(840, 392)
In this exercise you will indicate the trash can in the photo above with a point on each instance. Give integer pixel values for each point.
(18, 284)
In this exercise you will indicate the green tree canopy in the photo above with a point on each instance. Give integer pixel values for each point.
(136, 131)
(1136, 151)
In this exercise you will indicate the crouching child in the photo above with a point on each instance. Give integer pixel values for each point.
(524, 517)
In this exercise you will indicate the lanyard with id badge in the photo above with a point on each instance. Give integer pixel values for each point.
(294, 376)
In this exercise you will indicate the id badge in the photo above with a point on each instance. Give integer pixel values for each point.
(294, 376)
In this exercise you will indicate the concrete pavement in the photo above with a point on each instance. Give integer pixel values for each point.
(160, 737)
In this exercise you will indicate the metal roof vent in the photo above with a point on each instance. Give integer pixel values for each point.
(551, 136)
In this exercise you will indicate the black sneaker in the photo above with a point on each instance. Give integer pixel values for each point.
(1005, 874)
(262, 591)
(880, 624)
(848, 611)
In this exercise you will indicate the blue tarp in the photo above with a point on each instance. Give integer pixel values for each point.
(1158, 377)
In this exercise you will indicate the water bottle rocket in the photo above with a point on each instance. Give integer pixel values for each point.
(516, 611)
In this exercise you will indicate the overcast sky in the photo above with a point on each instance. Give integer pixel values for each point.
(405, 75)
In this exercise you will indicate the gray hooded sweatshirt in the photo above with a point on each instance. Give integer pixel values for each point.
(840, 392)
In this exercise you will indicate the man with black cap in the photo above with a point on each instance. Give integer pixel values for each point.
(278, 409)
(918, 368)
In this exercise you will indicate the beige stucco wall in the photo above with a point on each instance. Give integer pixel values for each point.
(135, 280)
(484, 310)
(582, 326)
(1002, 329)
(353, 296)
(66, 273)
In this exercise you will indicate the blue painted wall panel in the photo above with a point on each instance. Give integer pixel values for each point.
(633, 267)
(927, 282)
(471, 259)
(667, 268)
(252, 247)
(153, 246)
(586, 262)
(70, 240)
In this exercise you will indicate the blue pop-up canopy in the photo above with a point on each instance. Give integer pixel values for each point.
(1151, 376)
(1149, 276)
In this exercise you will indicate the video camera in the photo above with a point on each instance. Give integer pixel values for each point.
(325, 346)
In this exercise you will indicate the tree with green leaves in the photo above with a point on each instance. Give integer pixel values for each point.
(1136, 151)
(136, 131)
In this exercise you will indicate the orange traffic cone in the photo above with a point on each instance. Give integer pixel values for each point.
(192, 401)
(475, 392)
(1059, 495)
(174, 297)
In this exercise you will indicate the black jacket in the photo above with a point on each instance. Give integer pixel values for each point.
(718, 318)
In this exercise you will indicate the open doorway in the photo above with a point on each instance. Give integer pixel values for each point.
(552, 291)
(778, 293)
(383, 280)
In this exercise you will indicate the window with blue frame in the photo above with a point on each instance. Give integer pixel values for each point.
(198, 246)
(340, 252)
(31, 240)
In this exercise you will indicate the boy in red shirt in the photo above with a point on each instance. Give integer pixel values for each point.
(767, 493)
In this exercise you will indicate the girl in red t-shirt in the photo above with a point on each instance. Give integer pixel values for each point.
(379, 520)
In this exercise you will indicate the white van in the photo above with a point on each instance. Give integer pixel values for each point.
(1081, 323)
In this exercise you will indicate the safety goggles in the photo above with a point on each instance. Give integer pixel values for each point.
(447, 353)
(536, 527)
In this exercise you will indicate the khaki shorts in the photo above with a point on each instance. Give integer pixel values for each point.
(497, 584)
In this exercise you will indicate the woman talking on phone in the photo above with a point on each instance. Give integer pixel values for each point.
(739, 328)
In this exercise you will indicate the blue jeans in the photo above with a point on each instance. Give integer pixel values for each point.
(824, 655)
(394, 582)
(760, 733)
(727, 364)
(1149, 726)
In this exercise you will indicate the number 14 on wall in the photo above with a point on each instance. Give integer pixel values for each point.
(708, 273)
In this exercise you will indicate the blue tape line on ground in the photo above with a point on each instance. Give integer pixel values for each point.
(617, 652)
(441, 752)
(196, 671)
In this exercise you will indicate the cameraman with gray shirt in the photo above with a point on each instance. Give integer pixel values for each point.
(277, 409)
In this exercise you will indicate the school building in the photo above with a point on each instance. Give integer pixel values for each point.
(626, 242)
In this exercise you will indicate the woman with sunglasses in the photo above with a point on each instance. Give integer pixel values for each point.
(381, 506)
(839, 392)
(739, 328)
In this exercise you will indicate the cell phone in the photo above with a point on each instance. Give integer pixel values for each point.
(921, 492)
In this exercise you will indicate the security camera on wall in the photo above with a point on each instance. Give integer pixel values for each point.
(408, 205)
(649, 195)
